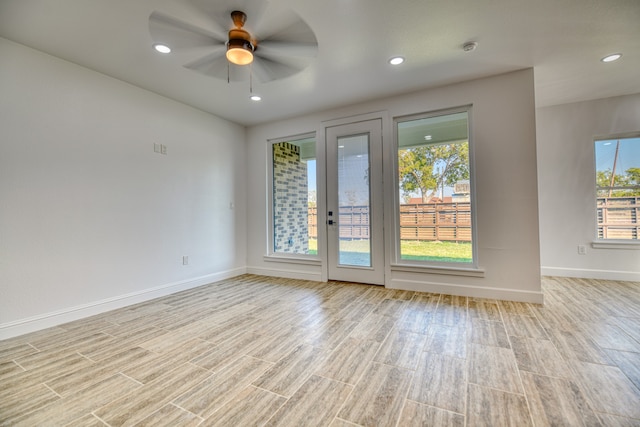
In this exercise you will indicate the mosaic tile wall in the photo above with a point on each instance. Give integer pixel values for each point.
(291, 232)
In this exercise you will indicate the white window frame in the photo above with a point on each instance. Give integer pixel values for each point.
(597, 242)
(471, 269)
(271, 254)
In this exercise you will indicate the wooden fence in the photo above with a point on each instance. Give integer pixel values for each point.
(428, 221)
(618, 217)
(449, 222)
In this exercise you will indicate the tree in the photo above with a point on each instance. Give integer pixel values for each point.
(427, 168)
(630, 178)
(633, 179)
(633, 176)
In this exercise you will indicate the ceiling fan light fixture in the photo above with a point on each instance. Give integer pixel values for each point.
(240, 52)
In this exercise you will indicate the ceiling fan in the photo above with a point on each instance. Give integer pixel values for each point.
(226, 43)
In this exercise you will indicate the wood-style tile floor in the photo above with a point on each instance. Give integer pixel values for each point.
(264, 351)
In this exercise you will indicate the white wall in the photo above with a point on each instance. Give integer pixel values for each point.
(504, 139)
(90, 217)
(566, 181)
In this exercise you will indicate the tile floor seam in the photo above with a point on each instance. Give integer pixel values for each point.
(130, 378)
(53, 391)
(184, 409)
(524, 389)
(496, 389)
(268, 391)
(20, 366)
(404, 401)
(436, 407)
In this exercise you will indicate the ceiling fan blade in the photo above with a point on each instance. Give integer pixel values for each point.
(216, 65)
(220, 11)
(179, 34)
(287, 48)
(286, 27)
(267, 69)
(281, 48)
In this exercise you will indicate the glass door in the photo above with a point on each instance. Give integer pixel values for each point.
(354, 202)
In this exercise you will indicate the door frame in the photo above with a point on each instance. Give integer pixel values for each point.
(373, 125)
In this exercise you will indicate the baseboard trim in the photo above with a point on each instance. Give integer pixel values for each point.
(468, 291)
(286, 274)
(583, 273)
(55, 318)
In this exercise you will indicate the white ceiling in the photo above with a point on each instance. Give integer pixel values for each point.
(562, 39)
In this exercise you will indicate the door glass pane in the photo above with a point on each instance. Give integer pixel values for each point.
(353, 201)
(294, 197)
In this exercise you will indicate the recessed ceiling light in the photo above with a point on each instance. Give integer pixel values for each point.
(256, 98)
(427, 137)
(162, 48)
(611, 58)
(396, 60)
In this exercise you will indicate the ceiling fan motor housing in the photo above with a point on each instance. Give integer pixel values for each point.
(240, 47)
(238, 36)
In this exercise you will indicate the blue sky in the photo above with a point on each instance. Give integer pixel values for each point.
(311, 174)
(628, 154)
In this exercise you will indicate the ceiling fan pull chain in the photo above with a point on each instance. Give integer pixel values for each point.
(227, 72)
(250, 79)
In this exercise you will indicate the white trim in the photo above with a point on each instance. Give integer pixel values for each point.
(55, 318)
(615, 244)
(373, 128)
(444, 270)
(270, 143)
(468, 291)
(287, 274)
(356, 118)
(583, 273)
(302, 259)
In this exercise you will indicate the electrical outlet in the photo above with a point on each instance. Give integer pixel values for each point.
(185, 260)
(582, 249)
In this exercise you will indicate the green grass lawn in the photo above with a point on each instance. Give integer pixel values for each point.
(413, 250)
(437, 251)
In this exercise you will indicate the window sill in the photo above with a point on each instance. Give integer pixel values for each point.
(450, 271)
(292, 259)
(615, 244)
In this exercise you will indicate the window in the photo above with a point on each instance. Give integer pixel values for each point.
(435, 221)
(618, 188)
(293, 202)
